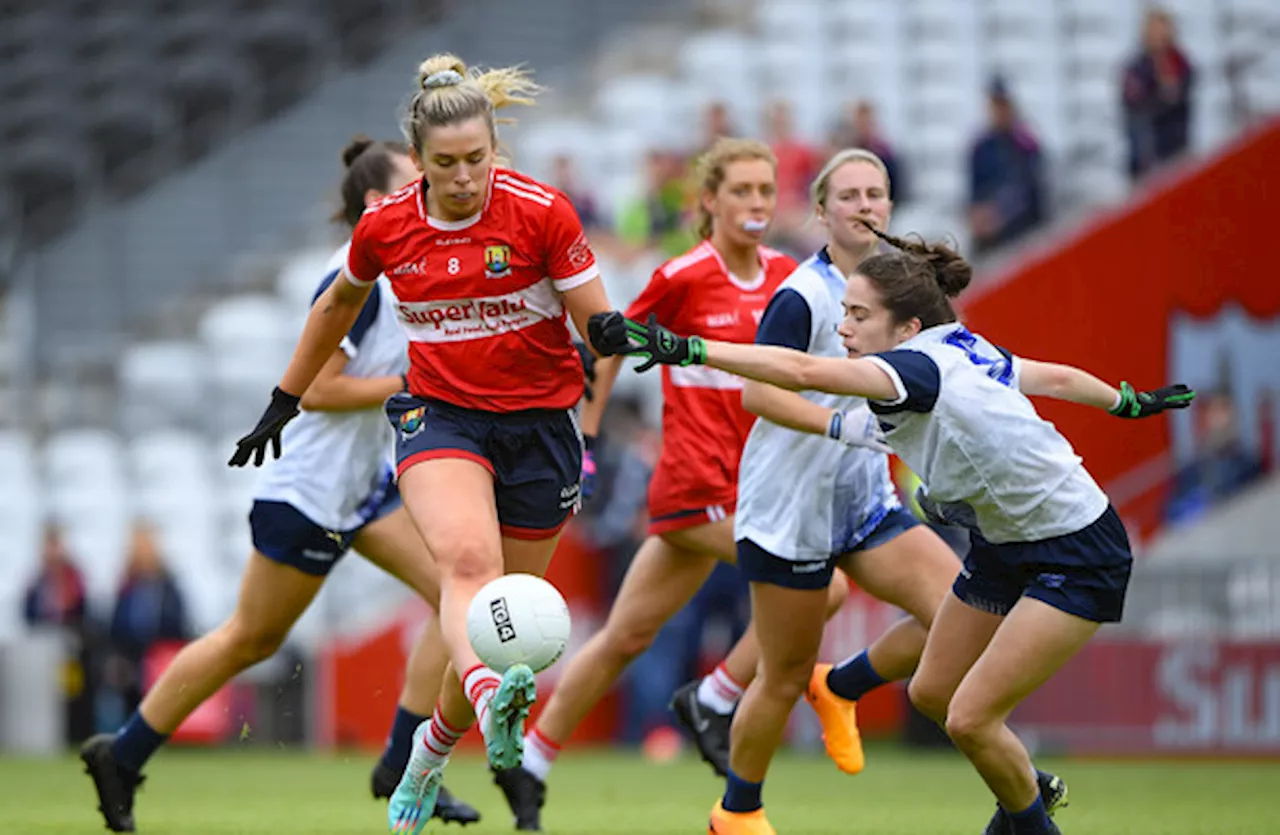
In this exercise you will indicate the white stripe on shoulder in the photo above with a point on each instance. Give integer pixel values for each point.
(527, 184)
(406, 193)
(527, 195)
(699, 253)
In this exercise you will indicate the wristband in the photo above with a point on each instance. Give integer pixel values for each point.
(836, 426)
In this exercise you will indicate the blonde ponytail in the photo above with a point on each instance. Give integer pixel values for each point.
(449, 92)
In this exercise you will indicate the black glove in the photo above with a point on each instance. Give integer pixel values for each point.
(608, 333)
(1141, 404)
(588, 367)
(283, 408)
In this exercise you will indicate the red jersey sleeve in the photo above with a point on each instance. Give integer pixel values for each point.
(570, 261)
(662, 297)
(363, 264)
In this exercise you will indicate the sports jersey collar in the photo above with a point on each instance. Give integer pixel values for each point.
(733, 279)
(454, 225)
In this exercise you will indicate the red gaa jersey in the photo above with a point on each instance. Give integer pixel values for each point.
(479, 298)
(704, 426)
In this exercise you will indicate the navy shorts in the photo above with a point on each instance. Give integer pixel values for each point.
(283, 534)
(1084, 573)
(759, 566)
(535, 456)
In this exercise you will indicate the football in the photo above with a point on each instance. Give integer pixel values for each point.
(518, 619)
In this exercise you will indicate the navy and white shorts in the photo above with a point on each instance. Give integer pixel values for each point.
(284, 534)
(1084, 573)
(535, 456)
(759, 566)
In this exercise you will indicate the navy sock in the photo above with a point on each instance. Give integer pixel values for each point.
(136, 742)
(854, 678)
(1033, 820)
(400, 743)
(741, 796)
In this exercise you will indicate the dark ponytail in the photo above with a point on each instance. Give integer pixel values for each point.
(918, 280)
(369, 166)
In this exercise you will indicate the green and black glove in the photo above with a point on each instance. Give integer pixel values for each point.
(657, 345)
(612, 333)
(1141, 404)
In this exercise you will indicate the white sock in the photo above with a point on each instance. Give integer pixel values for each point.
(437, 743)
(479, 684)
(540, 754)
(719, 691)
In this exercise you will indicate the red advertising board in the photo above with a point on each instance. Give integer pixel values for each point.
(1160, 697)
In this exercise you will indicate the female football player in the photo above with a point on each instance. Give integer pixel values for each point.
(1049, 560)
(485, 262)
(332, 490)
(723, 283)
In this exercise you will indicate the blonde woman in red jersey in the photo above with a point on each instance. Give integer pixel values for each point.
(724, 285)
(485, 262)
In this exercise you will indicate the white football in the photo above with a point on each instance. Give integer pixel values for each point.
(518, 619)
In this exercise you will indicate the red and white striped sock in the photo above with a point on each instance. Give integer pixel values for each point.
(437, 742)
(479, 685)
(719, 691)
(540, 752)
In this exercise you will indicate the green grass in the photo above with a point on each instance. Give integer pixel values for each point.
(900, 793)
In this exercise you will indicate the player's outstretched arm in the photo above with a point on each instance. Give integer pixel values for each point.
(612, 333)
(1065, 382)
(330, 319)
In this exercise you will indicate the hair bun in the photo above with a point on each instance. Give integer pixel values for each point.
(357, 146)
(952, 272)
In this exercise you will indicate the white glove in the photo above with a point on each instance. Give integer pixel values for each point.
(857, 427)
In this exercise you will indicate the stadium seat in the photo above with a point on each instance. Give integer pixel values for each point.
(284, 49)
(300, 277)
(210, 94)
(128, 134)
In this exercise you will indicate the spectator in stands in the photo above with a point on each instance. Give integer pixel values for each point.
(1157, 97)
(857, 127)
(1006, 177)
(56, 598)
(1222, 465)
(798, 162)
(716, 124)
(149, 609)
(565, 178)
(656, 217)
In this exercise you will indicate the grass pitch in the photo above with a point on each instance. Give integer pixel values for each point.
(247, 792)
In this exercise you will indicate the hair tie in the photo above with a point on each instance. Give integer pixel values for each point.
(442, 78)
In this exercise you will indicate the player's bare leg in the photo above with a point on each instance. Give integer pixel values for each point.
(393, 544)
(913, 571)
(789, 624)
(1032, 644)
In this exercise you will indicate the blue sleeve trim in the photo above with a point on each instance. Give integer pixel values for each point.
(368, 313)
(787, 321)
(917, 379)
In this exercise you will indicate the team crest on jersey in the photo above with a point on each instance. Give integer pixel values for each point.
(497, 261)
(411, 422)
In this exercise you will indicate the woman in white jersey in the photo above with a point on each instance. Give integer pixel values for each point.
(332, 490)
(1049, 560)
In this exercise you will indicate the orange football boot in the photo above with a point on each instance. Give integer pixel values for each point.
(738, 823)
(839, 722)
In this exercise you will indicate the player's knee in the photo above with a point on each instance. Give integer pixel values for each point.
(928, 698)
(837, 593)
(967, 727)
(787, 678)
(470, 563)
(251, 644)
(627, 642)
